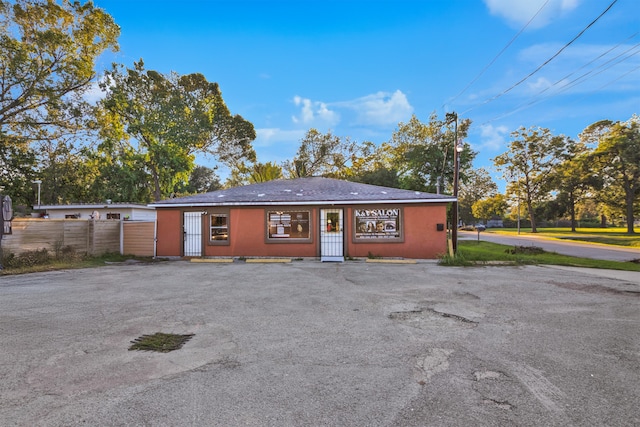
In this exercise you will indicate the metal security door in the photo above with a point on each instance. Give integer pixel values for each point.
(192, 233)
(331, 235)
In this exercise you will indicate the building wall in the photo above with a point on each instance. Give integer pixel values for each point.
(169, 224)
(85, 213)
(248, 230)
(422, 240)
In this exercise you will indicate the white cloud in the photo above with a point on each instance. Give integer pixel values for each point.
(93, 94)
(493, 137)
(314, 113)
(267, 137)
(381, 108)
(519, 12)
(539, 85)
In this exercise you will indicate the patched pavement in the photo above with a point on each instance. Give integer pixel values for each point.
(307, 343)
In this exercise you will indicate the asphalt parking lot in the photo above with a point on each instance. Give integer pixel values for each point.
(313, 344)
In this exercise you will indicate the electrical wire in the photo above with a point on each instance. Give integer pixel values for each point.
(499, 53)
(544, 63)
(566, 86)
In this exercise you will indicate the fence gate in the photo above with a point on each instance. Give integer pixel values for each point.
(331, 235)
(192, 232)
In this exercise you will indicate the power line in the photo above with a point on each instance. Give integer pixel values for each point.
(499, 53)
(577, 80)
(544, 63)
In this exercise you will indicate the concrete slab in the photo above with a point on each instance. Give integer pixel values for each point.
(311, 343)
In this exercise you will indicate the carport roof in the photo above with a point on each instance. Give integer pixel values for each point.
(304, 191)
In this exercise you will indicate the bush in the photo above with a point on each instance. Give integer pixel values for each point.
(26, 259)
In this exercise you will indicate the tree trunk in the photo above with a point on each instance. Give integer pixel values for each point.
(603, 221)
(532, 217)
(629, 197)
(572, 212)
(157, 194)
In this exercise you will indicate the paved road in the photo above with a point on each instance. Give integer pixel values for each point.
(318, 344)
(573, 248)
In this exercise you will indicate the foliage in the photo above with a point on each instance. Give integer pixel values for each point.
(477, 186)
(457, 260)
(574, 179)
(48, 51)
(242, 174)
(490, 207)
(202, 180)
(423, 153)
(617, 157)
(320, 155)
(160, 122)
(533, 154)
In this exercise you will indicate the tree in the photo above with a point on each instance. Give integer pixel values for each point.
(203, 180)
(66, 174)
(320, 154)
(617, 158)
(242, 174)
(490, 207)
(263, 172)
(574, 179)
(423, 153)
(48, 52)
(477, 186)
(533, 154)
(166, 120)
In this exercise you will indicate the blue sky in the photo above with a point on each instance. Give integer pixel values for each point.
(359, 67)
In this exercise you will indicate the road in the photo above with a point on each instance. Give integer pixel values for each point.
(573, 248)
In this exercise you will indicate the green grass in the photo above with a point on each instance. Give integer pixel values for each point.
(605, 236)
(473, 252)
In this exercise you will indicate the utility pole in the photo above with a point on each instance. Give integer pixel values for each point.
(457, 149)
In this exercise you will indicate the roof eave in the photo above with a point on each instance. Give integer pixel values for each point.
(302, 203)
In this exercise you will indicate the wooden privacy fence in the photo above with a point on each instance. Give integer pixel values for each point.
(94, 237)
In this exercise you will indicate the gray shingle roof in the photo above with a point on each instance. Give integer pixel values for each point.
(306, 191)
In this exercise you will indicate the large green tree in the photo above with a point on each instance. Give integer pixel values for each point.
(617, 159)
(422, 153)
(574, 179)
(166, 119)
(320, 154)
(48, 51)
(477, 186)
(533, 156)
(489, 207)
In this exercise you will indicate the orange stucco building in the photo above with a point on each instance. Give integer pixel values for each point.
(305, 217)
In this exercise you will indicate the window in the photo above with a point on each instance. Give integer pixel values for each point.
(378, 224)
(219, 227)
(113, 215)
(288, 226)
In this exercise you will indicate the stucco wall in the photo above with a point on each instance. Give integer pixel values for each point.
(247, 232)
(247, 235)
(169, 236)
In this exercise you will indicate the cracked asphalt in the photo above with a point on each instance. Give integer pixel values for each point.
(321, 344)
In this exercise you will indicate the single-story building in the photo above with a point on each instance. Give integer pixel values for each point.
(305, 217)
(106, 210)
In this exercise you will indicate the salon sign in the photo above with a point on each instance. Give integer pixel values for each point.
(377, 223)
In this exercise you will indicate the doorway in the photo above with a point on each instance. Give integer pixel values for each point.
(331, 235)
(192, 232)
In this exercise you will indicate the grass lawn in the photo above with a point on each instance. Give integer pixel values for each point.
(473, 252)
(606, 236)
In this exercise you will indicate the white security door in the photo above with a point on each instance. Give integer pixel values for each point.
(192, 234)
(331, 235)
